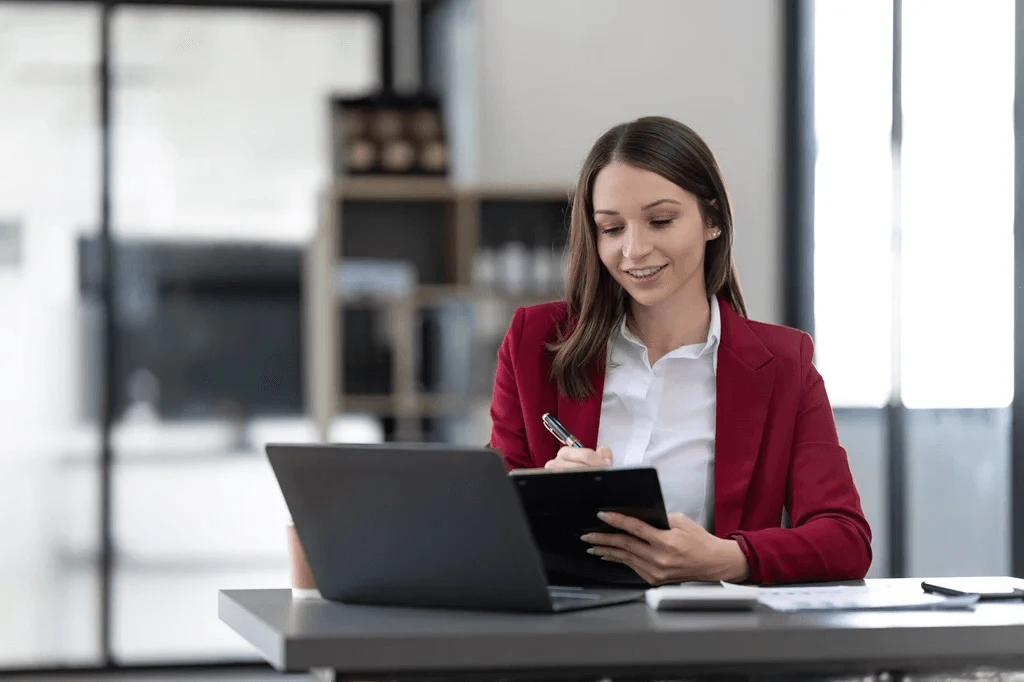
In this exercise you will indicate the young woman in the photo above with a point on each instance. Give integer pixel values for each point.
(651, 357)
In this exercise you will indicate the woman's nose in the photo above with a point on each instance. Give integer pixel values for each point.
(635, 245)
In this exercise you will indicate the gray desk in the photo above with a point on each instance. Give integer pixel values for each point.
(375, 643)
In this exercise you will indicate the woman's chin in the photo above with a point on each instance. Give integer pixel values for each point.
(647, 297)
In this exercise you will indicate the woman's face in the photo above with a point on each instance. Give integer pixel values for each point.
(650, 234)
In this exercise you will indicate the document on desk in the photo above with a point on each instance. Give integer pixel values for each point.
(857, 598)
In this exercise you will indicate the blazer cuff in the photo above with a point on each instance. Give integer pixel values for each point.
(753, 565)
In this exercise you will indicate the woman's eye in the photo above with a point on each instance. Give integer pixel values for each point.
(610, 230)
(665, 222)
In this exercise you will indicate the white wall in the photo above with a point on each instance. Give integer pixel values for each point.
(554, 74)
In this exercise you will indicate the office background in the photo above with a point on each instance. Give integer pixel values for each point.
(164, 168)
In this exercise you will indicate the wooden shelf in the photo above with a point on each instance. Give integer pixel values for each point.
(514, 192)
(353, 212)
(425, 404)
(432, 294)
(387, 188)
(412, 188)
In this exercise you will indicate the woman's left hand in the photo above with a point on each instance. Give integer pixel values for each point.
(683, 553)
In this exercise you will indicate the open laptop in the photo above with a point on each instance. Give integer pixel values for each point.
(419, 525)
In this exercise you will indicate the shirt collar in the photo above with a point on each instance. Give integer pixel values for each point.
(710, 345)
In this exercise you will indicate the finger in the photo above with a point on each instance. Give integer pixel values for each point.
(631, 525)
(680, 520)
(584, 456)
(563, 465)
(605, 454)
(627, 559)
(621, 541)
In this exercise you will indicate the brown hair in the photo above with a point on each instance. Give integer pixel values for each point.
(596, 302)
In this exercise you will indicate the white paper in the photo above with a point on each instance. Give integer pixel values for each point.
(856, 598)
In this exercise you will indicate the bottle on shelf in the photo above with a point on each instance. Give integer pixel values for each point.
(514, 263)
(485, 269)
(544, 276)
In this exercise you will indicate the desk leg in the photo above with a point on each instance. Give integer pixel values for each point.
(321, 675)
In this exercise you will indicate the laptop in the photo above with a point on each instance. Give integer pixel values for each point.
(420, 525)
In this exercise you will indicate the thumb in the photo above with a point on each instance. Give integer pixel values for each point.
(606, 454)
(679, 520)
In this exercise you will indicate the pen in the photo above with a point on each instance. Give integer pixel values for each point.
(560, 432)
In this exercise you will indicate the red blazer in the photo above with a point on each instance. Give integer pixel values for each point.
(776, 444)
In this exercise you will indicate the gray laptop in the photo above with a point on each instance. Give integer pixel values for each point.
(419, 525)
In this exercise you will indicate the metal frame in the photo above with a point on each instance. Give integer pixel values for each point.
(896, 412)
(109, 341)
(1017, 407)
(383, 9)
(798, 174)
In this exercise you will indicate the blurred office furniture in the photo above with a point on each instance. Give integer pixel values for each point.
(206, 330)
(410, 284)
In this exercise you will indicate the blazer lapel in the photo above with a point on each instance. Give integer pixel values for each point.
(583, 417)
(744, 388)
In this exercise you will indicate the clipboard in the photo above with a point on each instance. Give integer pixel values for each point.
(563, 505)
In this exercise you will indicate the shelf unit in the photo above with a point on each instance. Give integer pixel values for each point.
(440, 226)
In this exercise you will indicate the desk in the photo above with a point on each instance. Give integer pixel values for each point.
(382, 643)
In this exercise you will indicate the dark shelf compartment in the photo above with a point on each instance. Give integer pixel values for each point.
(419, 232)
(534, 222)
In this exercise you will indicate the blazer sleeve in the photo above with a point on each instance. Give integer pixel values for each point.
(829, 537)
(508, 428)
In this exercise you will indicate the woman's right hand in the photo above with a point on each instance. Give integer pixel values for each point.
(580, 458)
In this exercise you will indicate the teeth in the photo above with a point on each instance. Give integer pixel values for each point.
(645, 272)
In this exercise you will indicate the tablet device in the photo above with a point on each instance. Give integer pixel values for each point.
(562, 506)
(987, 588)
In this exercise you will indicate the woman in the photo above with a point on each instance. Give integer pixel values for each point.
(652, 357)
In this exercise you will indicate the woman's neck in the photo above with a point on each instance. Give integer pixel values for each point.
(682, 321)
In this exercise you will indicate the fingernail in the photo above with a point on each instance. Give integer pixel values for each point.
(592, 550)
(602, 515)
(587, 537)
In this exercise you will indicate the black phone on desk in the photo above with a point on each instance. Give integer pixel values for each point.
(987, 588)
(561, 506)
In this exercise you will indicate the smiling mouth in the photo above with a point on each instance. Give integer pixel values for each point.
(644, 273)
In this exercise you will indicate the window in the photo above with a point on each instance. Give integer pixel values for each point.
(853, 200)
(956, 336)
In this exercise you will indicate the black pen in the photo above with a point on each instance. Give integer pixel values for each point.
(560, 432)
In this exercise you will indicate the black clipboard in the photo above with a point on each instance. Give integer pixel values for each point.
(562, 506)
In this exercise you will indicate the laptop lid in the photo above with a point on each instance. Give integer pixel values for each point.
(411, 525)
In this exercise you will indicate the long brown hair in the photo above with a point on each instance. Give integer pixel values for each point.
(596, 302)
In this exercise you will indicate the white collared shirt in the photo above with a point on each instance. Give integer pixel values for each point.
(664, 416)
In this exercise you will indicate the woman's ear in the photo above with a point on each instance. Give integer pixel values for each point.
(712, 232)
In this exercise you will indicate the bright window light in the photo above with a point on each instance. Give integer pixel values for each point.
(853, 200)
(957, 204)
